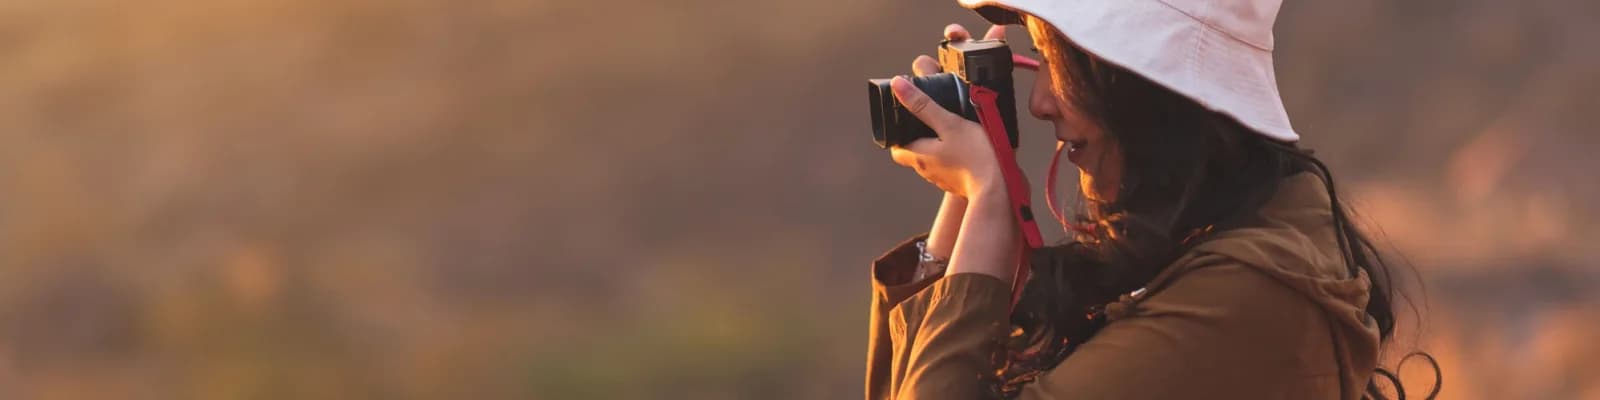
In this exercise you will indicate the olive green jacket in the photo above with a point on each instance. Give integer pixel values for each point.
(1267, 311)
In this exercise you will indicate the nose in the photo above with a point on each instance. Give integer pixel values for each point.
(1042, 103)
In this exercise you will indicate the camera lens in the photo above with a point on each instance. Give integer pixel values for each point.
(877, 92)
(893, 124)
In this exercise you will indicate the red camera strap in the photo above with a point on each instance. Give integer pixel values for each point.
(1016, 185)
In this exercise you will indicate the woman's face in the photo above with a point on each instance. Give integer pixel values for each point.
(1097, 155)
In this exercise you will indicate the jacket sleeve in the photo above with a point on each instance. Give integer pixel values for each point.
(931, 339)
(891, 275)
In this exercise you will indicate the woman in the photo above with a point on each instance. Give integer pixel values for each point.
(1213, 259)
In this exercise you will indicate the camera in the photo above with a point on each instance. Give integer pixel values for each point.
(985, 63)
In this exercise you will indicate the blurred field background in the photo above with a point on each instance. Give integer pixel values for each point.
(296, 199)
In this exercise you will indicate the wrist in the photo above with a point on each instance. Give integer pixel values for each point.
(989, 199)
(988, 240)
(986, 184)
(946, 225)
(989, 235)
(953, 202)
(929, 264)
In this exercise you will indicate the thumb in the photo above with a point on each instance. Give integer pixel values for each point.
(923, 107)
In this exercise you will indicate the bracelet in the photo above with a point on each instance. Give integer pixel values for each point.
(927, 263)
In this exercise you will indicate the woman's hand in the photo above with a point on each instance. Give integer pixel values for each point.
(961, 161)
(974, 226)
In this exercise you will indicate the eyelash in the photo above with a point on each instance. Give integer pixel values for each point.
(1035, 50)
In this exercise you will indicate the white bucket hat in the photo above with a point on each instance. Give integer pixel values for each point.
(1217, 52)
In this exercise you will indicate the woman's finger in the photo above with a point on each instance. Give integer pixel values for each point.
(904, 157)
(996, 32)
(920, 105)
(924, 146)
(924, 66)
(956, 32)
(911, 154)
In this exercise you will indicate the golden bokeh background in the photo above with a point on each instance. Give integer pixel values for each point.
(401, 199)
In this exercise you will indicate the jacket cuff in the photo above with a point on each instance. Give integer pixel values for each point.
(893, 271)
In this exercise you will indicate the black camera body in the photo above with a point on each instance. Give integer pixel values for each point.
(966, 63)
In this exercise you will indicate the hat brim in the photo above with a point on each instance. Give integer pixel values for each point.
(998, 15)
(1168, 47)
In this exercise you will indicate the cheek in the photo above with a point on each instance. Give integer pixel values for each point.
(1100, 176)
(1080, 125)
(1064, 113)
(1045, 105)
(1108, 180)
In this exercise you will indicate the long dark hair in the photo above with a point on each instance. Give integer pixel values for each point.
(1187, 172)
